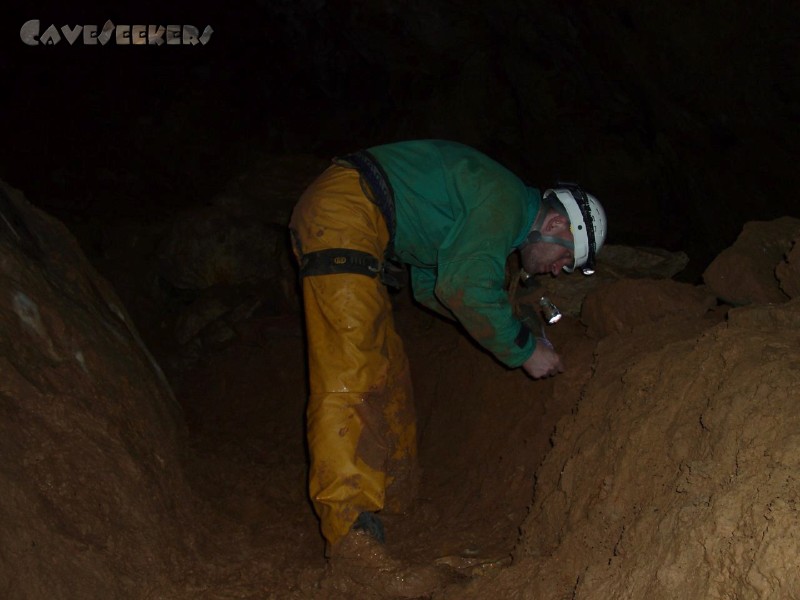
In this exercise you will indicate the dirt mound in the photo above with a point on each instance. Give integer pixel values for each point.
(677, 476)
(625, 304)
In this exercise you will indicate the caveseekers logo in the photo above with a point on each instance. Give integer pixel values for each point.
(123, 35)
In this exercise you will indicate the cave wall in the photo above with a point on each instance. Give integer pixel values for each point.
(683, 120)
(94, 500)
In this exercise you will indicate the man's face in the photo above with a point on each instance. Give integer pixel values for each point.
(546, 257)
(543, 257)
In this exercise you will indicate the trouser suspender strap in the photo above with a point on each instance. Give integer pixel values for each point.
(382, 193)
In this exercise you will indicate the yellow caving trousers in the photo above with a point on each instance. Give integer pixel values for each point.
(361, 423)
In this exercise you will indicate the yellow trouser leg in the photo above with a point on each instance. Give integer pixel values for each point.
(361, 427)
(402, 428)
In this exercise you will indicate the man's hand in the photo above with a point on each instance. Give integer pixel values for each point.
(544, 362)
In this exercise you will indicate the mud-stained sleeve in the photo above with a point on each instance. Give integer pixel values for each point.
(473, 290)
(423, 283)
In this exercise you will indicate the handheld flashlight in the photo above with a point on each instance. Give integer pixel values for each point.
(550, 311)
(525, 278)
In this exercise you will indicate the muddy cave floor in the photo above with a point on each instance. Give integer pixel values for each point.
(482, 429)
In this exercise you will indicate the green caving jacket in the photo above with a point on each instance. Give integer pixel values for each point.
(459, 215)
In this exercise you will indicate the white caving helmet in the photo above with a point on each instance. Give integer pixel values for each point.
(587, 223)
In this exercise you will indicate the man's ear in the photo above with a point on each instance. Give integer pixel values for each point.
(556, 223)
